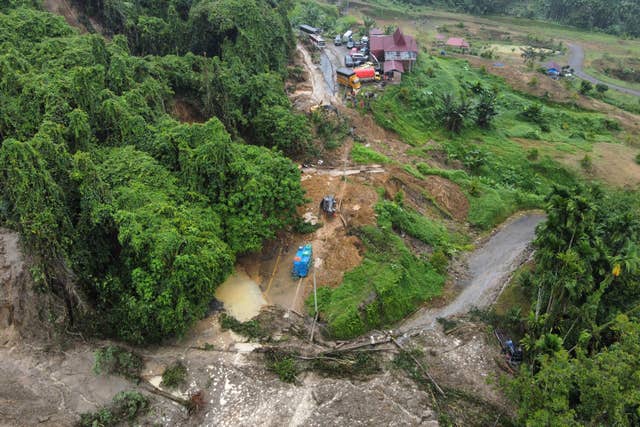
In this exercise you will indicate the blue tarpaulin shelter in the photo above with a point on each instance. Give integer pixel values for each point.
(302, 261)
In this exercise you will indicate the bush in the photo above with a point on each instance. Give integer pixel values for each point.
(533, 113)
(250, 329)
(638, 158)
(533, 154)
(174, 375)
(116, 360)
(125, 407)
(601, 88)
(533, 82)
(303, 227)
(586, 163)
(585, 87)
(283, 364)
(364, 155)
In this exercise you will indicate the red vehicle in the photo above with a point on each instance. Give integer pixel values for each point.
(367, 74)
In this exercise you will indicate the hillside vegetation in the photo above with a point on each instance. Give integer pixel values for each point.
(618, 17)
(133, 217)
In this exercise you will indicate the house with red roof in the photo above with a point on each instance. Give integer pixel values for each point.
(457, 42)
(396, 52)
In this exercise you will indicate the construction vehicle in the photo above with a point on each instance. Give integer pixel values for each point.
(329, 205)
(302, 261)
(367, 74)
(514, 352)
(348, 78)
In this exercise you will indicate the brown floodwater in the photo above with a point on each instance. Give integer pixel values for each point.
(241, 296)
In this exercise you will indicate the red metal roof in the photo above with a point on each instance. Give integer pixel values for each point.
(393, 66)
(376, 32)
(457, 42)
(398, 42)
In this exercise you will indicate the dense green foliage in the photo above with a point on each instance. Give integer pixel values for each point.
(116, 360)
(123, 207)
(250, 329)
(617, 16)
(174, 375)
(124, 408)
(584, 329)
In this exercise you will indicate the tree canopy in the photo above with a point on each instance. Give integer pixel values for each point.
(121, 205)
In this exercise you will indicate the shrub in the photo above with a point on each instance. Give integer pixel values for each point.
(364, 155)
(303, 227)
(250, 329)
(283, 364)
(116, 360)
(638, 158)
(125, 407)
(452, 112)
(174, 375)
(533, 154)
(533, 82)
(585, 87)
(601, 88)
(439, 261)
(533, 113)
(586, 162)
(485, 109)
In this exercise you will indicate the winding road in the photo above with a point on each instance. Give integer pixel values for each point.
(576, 61)
(490, 267)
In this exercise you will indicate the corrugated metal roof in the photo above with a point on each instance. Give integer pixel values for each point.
(457, 42)
(398, 42)
(393, 66)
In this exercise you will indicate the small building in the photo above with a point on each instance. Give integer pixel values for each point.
(399, 50)
(458, 43)
(376, 32)
(393, 69)
(553, 69)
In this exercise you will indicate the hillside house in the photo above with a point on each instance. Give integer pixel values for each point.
(396, 53)
(458, 43)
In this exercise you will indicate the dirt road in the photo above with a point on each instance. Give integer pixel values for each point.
(576, 61)
(321, 91)
(489, 268)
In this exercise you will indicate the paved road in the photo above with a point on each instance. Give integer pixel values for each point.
(576, 61)
(490, 266)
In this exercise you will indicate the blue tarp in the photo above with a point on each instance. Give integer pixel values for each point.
(302, 261)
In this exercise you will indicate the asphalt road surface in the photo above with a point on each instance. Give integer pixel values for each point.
(576, 61)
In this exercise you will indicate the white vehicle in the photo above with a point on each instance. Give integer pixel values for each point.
(347, 36)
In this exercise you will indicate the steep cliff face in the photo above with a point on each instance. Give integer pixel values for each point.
(24, 312)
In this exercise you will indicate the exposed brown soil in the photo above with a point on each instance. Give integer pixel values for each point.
(186, 112)
(612, 163)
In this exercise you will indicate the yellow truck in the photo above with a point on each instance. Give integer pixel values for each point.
(347, 77)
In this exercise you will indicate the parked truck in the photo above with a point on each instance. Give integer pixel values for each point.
(367, 74)
(347, 77)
